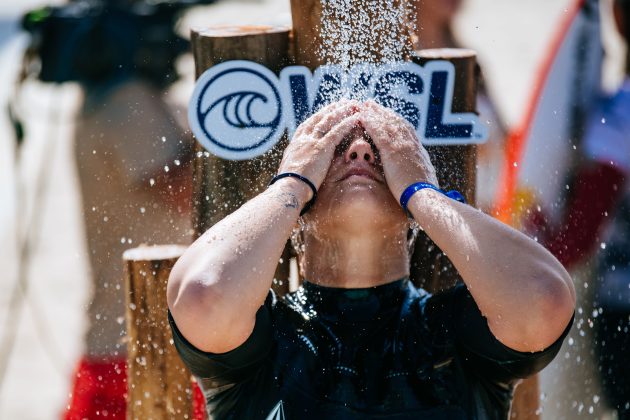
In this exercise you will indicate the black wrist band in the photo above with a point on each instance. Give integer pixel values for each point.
(305, 180)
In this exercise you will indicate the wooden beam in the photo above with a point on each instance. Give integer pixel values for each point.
(159, 385)
(221, 186)
(455, 167)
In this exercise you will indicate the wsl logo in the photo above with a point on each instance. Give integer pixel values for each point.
(240, 109)
(236, 110)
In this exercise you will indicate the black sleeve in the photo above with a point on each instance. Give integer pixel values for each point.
(480, 348)
(235, 365)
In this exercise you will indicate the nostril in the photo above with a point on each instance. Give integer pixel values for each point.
(353, 155)
(366, 157)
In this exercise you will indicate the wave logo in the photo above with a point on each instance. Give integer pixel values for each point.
(236, 110)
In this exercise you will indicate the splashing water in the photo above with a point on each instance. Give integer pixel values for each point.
(371, 31)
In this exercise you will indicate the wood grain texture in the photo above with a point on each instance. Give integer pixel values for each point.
(310, 49)
(221, 186)
(455, 167)
(159, 385)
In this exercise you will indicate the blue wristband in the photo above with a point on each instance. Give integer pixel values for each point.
(414, 188)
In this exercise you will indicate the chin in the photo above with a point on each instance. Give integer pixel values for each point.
(361, 206)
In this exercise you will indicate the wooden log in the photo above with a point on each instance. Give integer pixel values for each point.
(455, 167)
(221, 186)
(159, 385)
(311, 49)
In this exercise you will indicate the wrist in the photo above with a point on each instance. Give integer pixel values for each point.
(298, 188)
(415, 190)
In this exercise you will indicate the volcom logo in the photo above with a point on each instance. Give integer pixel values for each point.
(277, 413)
(240, 109)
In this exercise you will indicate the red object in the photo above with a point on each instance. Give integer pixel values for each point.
(199, 403)
(595, 192)
(100, 392)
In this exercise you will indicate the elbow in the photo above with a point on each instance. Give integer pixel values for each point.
(553, 310)
(191, 295)
(204, 314)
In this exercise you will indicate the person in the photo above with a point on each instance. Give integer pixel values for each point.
(128, 199)
(612, 325)
(434, 21)
(594, 221)
(600, 176)
(357, 339)
(133, 161)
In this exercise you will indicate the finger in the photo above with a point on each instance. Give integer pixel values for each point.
(308, 124)
(383, 111)
(376, 128)
(319, 115)
(335, 117)
(336, 135)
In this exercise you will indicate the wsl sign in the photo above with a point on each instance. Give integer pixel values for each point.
(240, 109)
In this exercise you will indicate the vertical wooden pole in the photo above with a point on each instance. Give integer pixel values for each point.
(221, 186)
(455, 166)
(159, 385)
(311, 49)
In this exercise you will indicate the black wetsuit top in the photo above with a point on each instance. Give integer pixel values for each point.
(387, 352)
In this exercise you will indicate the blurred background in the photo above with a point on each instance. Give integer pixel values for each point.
(44, 304)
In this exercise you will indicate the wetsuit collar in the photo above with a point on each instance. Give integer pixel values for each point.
(355, 305)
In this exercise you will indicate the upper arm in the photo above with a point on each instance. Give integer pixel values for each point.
(231, 366)
(202, 318)
(483, 352)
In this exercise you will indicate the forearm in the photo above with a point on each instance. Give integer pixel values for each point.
(524, 292)
(217, 286)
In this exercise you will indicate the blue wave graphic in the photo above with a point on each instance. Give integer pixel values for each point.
(237, 109)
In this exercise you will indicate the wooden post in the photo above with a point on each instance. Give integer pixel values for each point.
(159, 385)
(455, 167)
(221, 186)
(310, 49)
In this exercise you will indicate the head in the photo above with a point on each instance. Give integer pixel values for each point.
(355, 207)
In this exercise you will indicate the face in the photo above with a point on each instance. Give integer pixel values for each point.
(354, 196)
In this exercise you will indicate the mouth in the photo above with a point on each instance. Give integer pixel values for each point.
(361, 173)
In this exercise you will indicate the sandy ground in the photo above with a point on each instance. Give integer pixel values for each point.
(510, 36)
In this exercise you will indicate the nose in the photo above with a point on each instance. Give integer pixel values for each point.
(360, 150)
